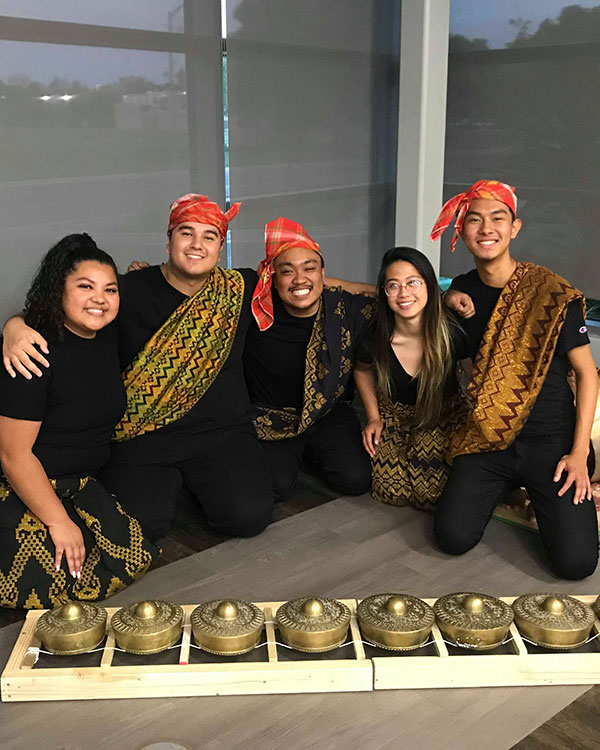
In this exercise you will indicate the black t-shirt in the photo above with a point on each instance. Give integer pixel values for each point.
(553, 411)
(274, 360)
(78, 400)
(403, 386)
(147, 301)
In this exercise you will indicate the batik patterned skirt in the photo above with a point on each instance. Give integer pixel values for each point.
(116, 553)
(409, 467)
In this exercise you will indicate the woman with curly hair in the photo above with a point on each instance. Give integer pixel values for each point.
(62, 535)
(406, 376)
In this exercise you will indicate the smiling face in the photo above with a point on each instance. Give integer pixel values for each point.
(90, 298)
(488, 229)
(193, 249)
(405, 289)
(298, 279)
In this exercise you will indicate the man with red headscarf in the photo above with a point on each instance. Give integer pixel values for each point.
(526, 331)
(298, 360)
(182, 327)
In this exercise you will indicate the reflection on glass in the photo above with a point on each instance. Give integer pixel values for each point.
(312, 125)
(155, 15)
(92, 140)
(529, 116)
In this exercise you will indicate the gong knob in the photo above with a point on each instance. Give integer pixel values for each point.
(71, 611)
(395, 605)
(145, 610)
(553, 605)
(313, 608)
(227, 610)
(473, 604)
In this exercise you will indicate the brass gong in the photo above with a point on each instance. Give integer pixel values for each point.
(596, 607)
(470, 620)
(313, 624)
(398, 622)
(147, 627)
(227, 627)
(554, 621)
(73, 628)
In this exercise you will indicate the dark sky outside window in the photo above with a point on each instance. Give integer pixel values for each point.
(524, 107)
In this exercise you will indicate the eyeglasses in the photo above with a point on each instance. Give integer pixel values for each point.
(393, 287)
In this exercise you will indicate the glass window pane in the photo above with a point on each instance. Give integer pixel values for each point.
(155, 15)
(104, 153)
(527, 113)
(313, 125)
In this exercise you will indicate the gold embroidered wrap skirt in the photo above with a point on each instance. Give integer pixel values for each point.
(116, 553)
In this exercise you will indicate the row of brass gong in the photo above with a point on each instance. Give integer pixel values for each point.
(397, 622)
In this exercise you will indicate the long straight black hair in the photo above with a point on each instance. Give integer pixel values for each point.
(437, 363)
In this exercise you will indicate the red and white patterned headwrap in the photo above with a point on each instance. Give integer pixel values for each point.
(280, 235)
(459, 205)
(200, 208)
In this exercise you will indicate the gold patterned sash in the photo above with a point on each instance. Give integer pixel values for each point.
(277, 424)
(513, 359)
(329, 357)
(181, 361)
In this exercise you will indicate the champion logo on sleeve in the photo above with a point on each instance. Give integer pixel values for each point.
(583, 329)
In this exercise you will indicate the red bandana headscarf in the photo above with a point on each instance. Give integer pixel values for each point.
(280, 235)
(192, 207)
(459, 205)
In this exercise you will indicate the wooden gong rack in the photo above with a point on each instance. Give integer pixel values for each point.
(271, 669)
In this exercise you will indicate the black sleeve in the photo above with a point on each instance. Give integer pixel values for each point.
(364, 345)
(460, 283)
(460, 349)
(574, 330)
(24, 399)
(250, 276)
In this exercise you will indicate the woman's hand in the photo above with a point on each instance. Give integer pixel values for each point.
(575, 464)
(18, 349)
(371, 435)
(68, 541)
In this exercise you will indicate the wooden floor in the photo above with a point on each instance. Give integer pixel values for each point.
(576, 727)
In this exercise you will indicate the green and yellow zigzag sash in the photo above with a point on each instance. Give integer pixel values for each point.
(181, 361)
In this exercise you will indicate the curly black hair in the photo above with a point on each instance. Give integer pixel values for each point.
(43, 304)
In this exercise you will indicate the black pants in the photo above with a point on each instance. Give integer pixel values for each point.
(478, 482)
(229, 479)
(332, 448)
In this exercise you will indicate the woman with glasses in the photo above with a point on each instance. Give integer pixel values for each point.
(406, 376)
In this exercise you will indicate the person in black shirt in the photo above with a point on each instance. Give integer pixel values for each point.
(406, 375)
(62, 535)
(525, 331)
(297, 363)
(182, 328)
